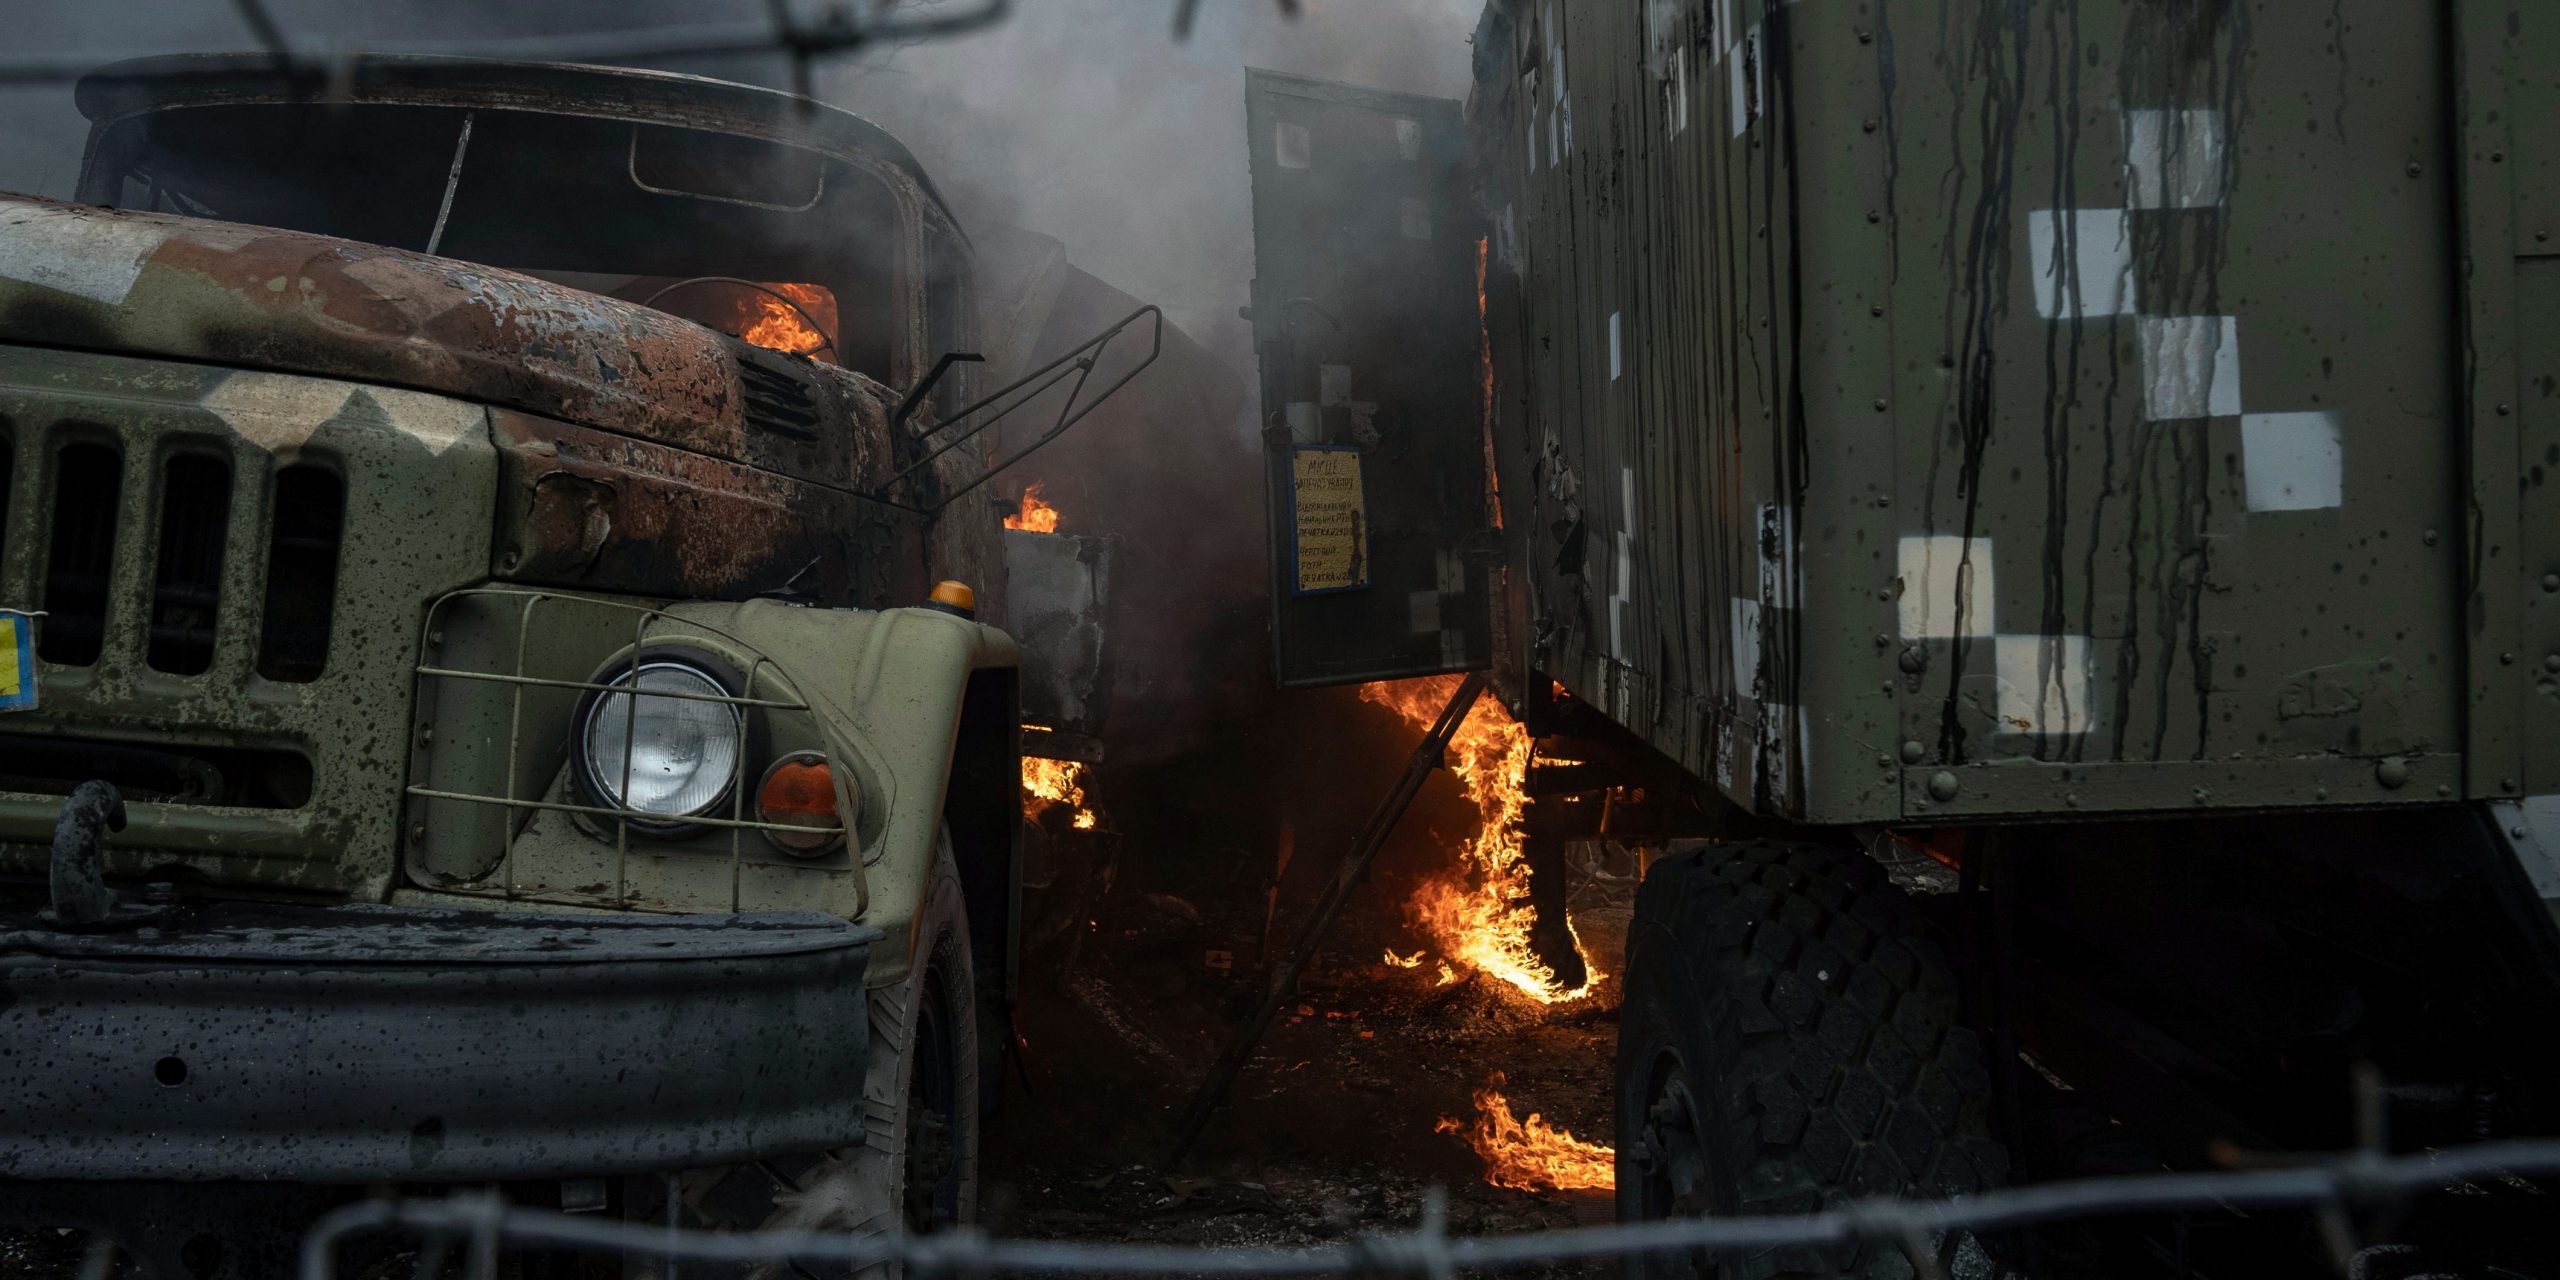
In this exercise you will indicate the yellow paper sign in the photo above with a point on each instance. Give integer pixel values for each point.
(1331, 517)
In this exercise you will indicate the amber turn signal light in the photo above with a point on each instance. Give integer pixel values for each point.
(798, 796)
(954, 597)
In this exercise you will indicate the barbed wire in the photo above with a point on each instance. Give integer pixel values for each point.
(484, 1224)
(832, 30)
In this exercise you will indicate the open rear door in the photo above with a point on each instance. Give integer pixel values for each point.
(1365, 315)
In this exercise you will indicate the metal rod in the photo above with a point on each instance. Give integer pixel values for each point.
(1427, 758)
(452, 180)
(1079, 361)
(515, 733)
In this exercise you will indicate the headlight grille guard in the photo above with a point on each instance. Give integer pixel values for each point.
(760, 669)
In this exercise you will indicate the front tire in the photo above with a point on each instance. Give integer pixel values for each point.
(1790, 1042)
(917, 1167)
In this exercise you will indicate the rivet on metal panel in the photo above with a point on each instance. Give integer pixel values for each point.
(2504, 784)
(2551, 582)
(1880, 404)
(1884, 761)
(2429, 537)
(2319, 793)
(1884, 500)
(2071, 799)
(2497, 157)
(2504, 410)
(2415, 169)
(2550, 661)
(1943, 785)
(1872, 124)
(417, 833)
(1913, 752)
(1876, 311)
(1875, 215)
(1865, 36)
(1888, 686)
(1915, 659)
(2507, 658)
(2202, 795)
(2443, 791)
(2392, 773)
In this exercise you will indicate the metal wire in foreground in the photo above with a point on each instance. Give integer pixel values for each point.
(486, 1222)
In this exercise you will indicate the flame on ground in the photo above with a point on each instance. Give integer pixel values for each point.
(1413, 961)
(1482, 918)
(776, 326)
(1531, 1155)
(1047, 784)
(1036, 516)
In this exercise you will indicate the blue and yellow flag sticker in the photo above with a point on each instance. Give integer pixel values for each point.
(17, 661)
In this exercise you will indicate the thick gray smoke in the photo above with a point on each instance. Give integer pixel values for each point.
(1085, 120)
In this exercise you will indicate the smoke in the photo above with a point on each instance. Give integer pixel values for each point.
(1085, 120)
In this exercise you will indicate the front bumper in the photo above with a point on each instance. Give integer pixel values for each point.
(369, 1045)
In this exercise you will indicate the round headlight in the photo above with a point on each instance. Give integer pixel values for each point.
(652, 743)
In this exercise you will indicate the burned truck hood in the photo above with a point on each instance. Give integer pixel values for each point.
(111, 280)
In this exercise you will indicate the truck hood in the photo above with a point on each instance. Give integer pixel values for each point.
(257, 297)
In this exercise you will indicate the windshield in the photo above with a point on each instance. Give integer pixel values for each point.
(775, 244)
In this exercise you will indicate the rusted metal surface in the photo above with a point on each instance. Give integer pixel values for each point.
(585, 508)
(156, 284)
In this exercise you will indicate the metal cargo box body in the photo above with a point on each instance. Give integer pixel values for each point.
(1984, 408)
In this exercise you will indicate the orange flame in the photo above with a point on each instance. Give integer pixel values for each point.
(1482, 918)
(1035, 515)
(1046, 784)
(1531, 1155)
(1413, 961)
(776, 326)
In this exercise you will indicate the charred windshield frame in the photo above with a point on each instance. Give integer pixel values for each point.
(709, 183)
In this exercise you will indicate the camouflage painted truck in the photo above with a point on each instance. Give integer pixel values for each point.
(2096, 460)
(469, 571)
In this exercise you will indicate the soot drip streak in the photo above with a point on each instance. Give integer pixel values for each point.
(2003, 67)
(2061, 370)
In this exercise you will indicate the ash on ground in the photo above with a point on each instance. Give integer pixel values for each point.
(1335, 1125)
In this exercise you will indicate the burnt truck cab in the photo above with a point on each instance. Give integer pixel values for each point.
(473, 520)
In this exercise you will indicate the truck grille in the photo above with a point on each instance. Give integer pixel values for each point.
(87, 481)
(186, 597)
(302, 573)
(184, 621)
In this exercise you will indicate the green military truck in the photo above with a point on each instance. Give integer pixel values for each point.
(482, 712)
(2051, 504)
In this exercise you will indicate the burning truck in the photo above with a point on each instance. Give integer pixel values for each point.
(495, 695)
(2049, 551)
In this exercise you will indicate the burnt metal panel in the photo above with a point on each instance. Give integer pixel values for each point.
(1920, 423)
(1365, 316)
(1058, 603)
(363, 1044)
(2508, 167)
(590, 509)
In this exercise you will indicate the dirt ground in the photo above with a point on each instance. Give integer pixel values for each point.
(1332, 1127)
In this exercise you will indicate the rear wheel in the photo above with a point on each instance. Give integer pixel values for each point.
(1790, 1042)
